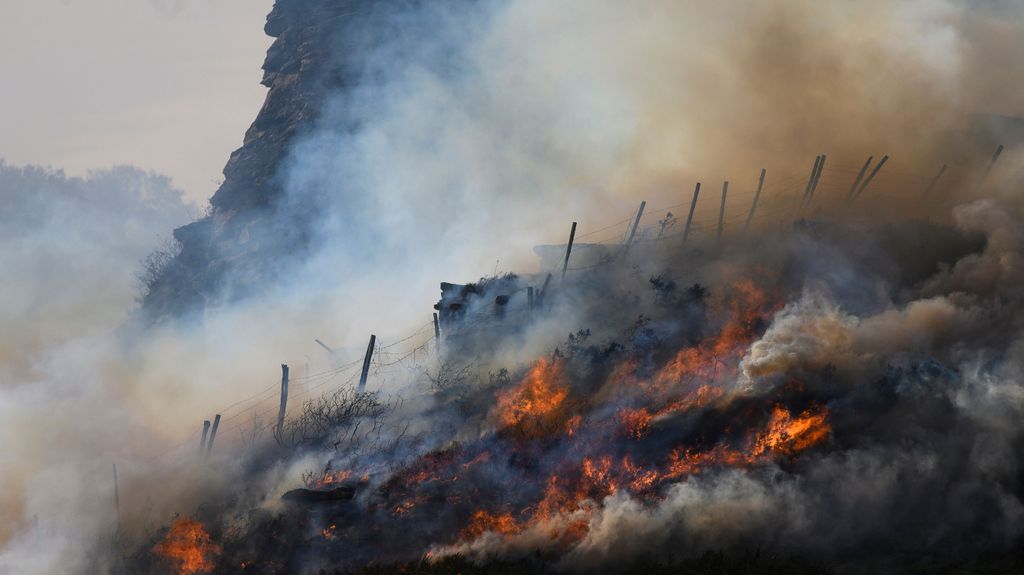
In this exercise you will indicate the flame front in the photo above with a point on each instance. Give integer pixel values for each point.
(188, 546)
(567, 435)
(541, 405)
(538, 405)
(788, 435)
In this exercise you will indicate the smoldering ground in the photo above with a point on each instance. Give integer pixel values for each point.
(645, 436)
(469, 132)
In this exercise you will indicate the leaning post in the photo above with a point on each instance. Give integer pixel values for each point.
(757, 197)
(693, 207)
(213, 434)
(202, 440)
(871, 177)
(568, 249)
(366, 364)
(935, 180)
(860, 177)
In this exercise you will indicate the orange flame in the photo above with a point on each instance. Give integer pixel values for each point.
(635, 422)
(484, 521)
(188, 545)
(784, 435)
(537, 405)
(788, 435)
(719, 354)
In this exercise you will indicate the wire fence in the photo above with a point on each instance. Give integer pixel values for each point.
(781, 199)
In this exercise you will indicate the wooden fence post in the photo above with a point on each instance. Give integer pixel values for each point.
(213, 434)
(721, 210)
(543, 291)
(202, 441)
(860, 176)
(810, 180)
(874, 173)
(991, 164)
(437, 334)
(817, 178)
(753, 206)
(636, 222)
(693, 207)
(935, 180)
(284, 399)
(366, 364)
(117, 500)
(568, 249)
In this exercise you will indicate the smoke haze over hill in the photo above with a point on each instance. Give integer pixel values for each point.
(406, 143)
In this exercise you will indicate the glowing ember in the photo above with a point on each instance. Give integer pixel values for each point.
(336, 477)
(635, 422)
(188, 546)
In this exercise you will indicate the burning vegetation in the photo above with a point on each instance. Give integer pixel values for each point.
(188, 547)
(670, 406)
(830, 377)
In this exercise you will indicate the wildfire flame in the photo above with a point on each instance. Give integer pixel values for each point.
(537, 405)
(483, 521)
(694, 377)
(597, 445)
(188, 546)
(788, 435)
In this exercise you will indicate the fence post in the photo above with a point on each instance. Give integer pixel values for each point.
(543, 293)
(860, 176)
(202, 441)
(284, 399)
(437, 335)
(935, 180)
(568, 249)
(117, 500)
(721, 210)
(874, 173)
(991, 164)
(810, 180)
(817, 178)
(636, 222)
(213, 434)
(753, 206)
(366, 363)
(693, 207)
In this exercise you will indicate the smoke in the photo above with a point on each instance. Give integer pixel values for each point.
(459, 123)
(72, 250)
(923, 389)
(466, 133)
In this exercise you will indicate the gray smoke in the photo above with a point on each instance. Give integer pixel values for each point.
(466, 133)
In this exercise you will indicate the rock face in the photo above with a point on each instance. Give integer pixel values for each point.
(241, 245)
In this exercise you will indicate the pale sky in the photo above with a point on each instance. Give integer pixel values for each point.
(165, 85)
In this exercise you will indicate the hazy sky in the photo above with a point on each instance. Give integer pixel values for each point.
(166, 85)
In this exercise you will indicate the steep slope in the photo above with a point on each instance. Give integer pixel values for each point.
(239, 244)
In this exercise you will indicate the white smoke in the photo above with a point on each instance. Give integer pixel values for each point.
(468, 135)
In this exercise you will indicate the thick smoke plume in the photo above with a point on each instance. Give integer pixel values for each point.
(780, 389)
(73, 253)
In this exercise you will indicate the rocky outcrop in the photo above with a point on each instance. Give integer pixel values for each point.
(240, 245)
